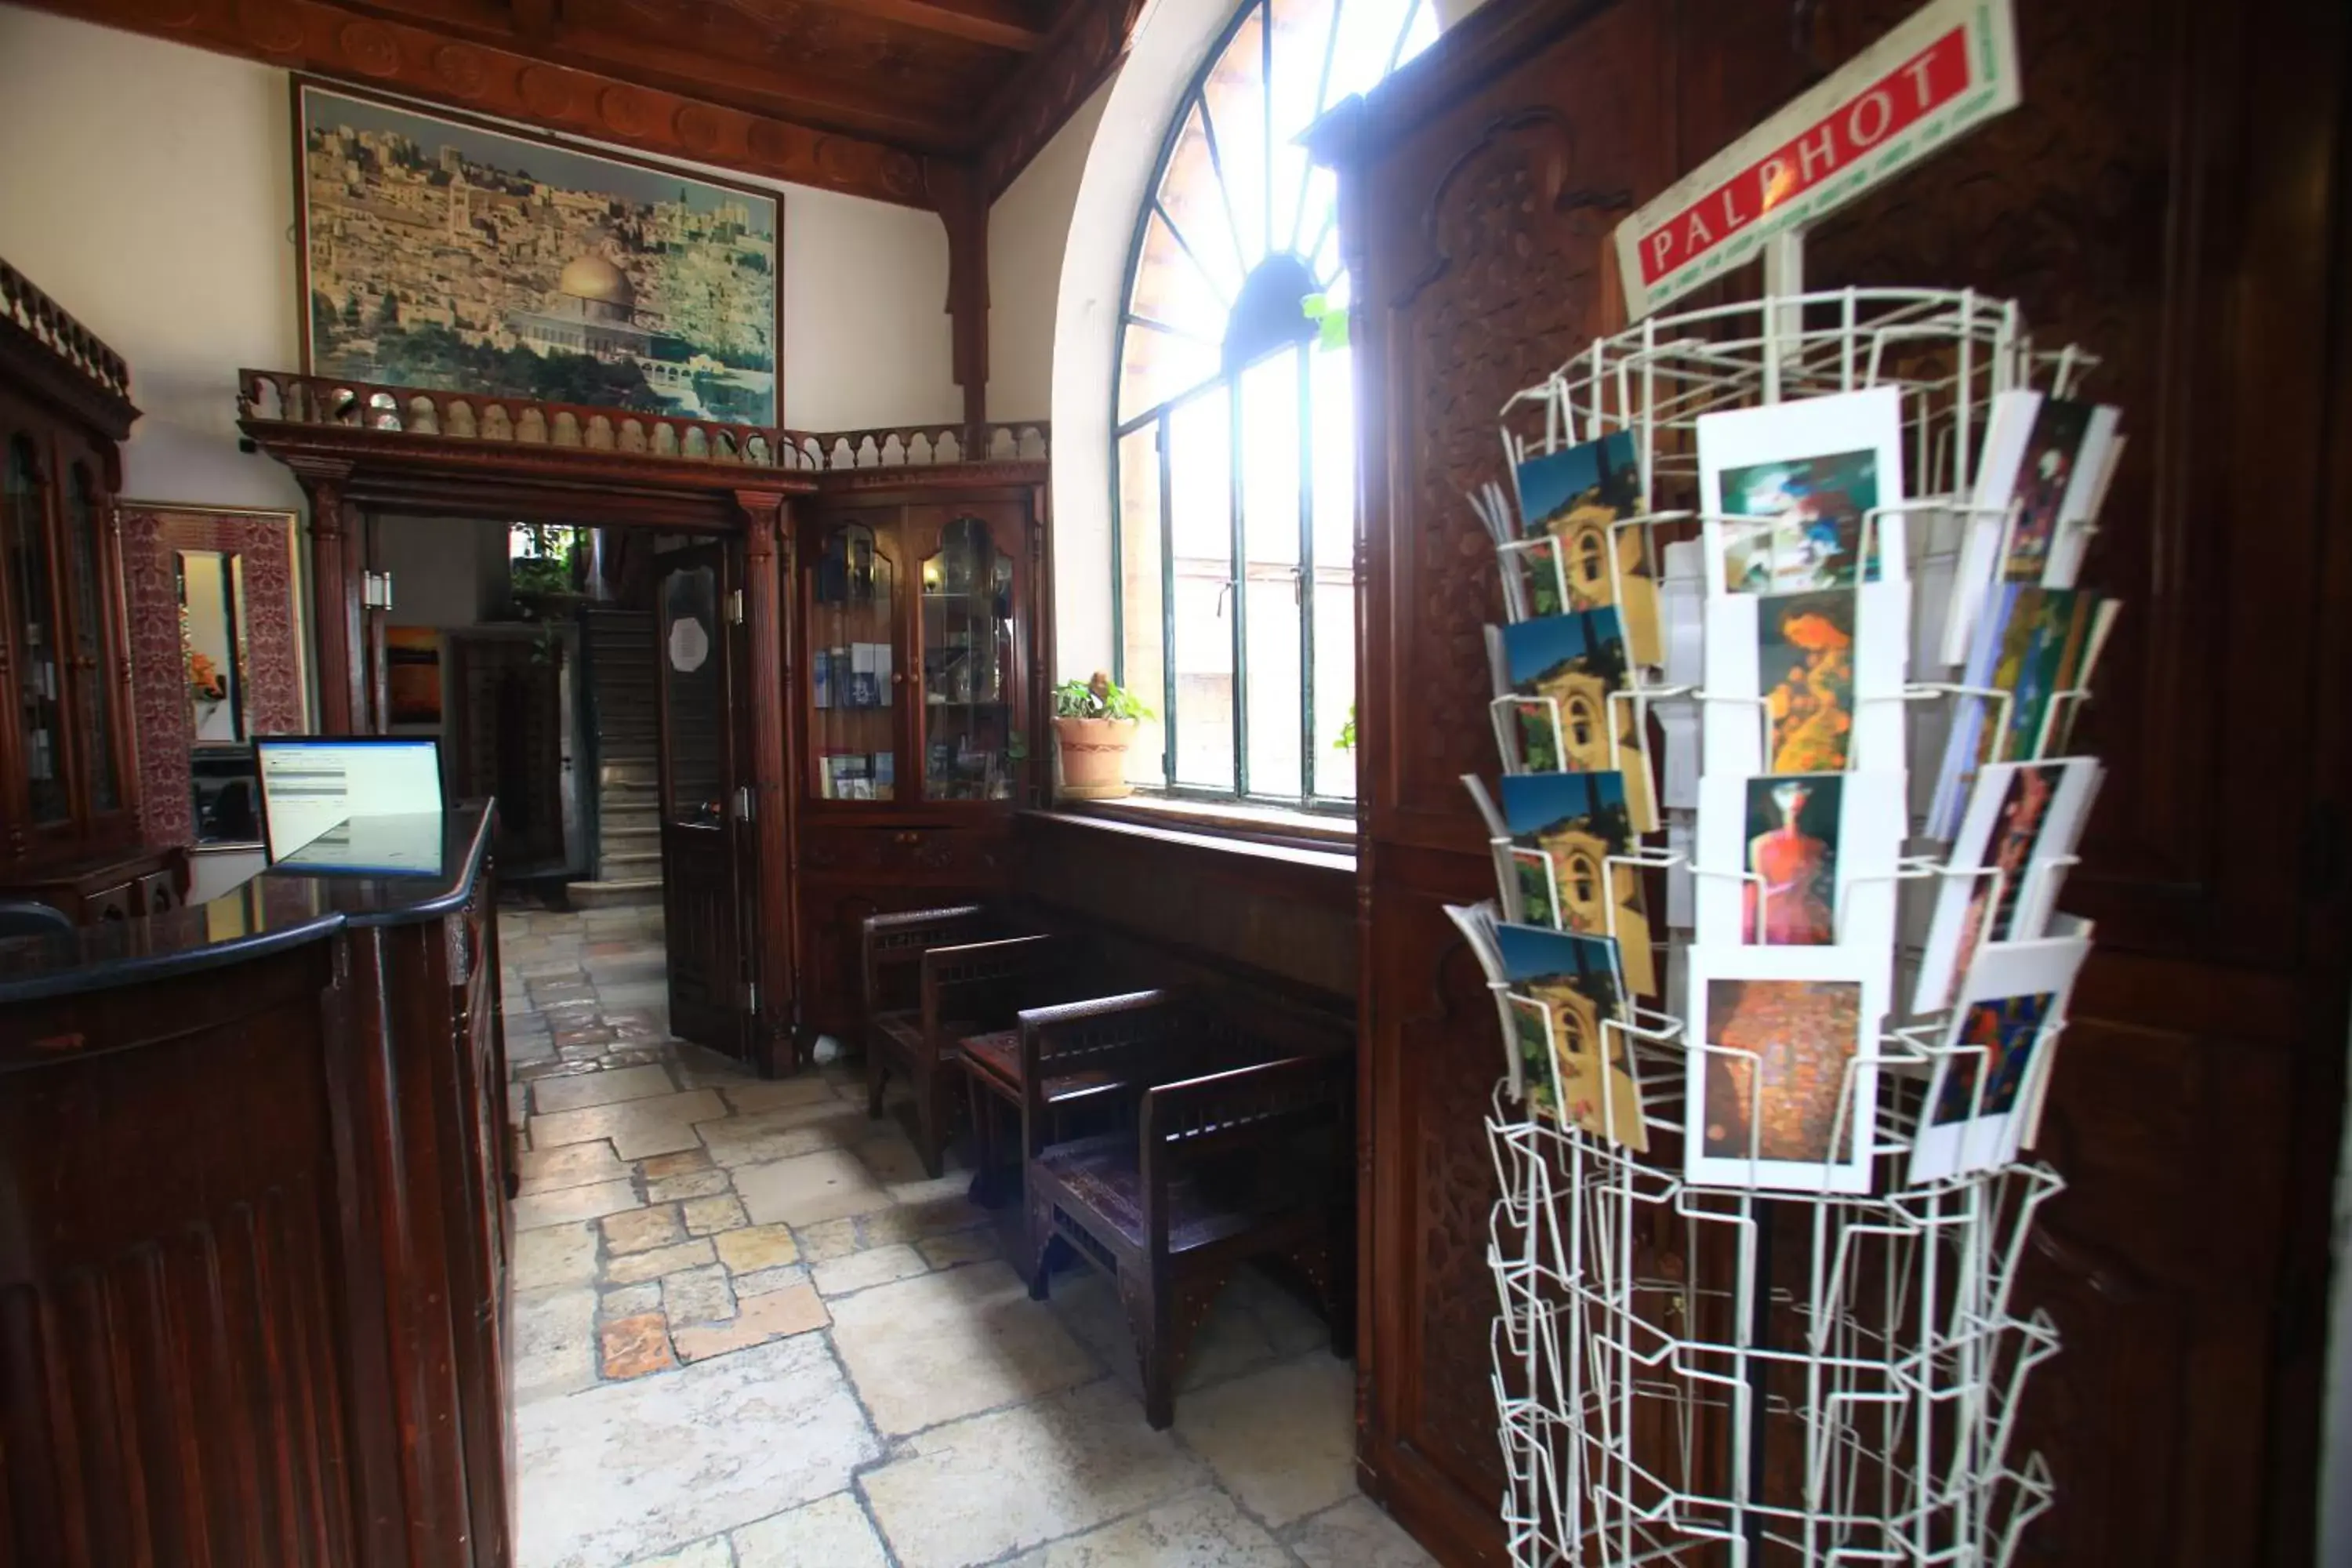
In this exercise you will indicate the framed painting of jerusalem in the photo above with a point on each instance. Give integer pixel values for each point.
(448, 253)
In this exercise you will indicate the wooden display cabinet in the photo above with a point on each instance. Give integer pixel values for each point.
(69, 831)
(917, 707)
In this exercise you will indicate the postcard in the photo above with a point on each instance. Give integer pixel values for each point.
(1563, 829)
(1566, 991)
(1563, 672)
(1783, 1084)
(1477, 925)
(1811, 471)
(2008, 430)
(2057, 732)
(1805, 683)
(1799, 859)
(2010, 1008)
(2031, 644)
(2074, 532)
(2048, 653)
(1575, 497)
(2000, 884)
(2064, 459)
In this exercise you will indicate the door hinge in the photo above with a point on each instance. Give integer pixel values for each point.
(735, 608)
(751, 997)
(742, 803)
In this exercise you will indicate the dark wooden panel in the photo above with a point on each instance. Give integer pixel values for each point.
(171, 1342)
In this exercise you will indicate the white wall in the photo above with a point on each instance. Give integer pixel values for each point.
(147, 188)
(1027, 228)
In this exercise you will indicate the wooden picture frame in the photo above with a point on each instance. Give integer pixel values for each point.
(494, 261)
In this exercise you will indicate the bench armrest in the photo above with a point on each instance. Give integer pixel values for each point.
(980, 967)
(1243, 1107)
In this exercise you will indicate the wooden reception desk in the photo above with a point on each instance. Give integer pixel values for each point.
(253, 1248)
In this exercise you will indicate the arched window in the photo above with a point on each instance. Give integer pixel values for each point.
(1232, 554)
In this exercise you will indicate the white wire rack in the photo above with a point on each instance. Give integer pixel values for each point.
(1715, 1374)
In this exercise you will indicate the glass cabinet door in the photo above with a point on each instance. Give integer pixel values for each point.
(39, 693)
(94, 691)
(852, 681)
(967, 669)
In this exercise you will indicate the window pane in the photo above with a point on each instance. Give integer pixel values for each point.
(40, 679)
(1302, 36)
(1270, 443)
(96, 695)
(1200, 458)
(1335, 681)
(1333, 454)
(1199, 204)
(1144, 670)
(1237, 108)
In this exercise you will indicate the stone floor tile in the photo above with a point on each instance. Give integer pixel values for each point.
(554, 1349)
(601, 1088)
(757, 1247)
(633, 992)
(1200, 1530)
(628, 1470)
(662, 1167)
(775, 1093)
(698, 1296)
(828, 1239)
(758, 1319)
(862, 1270)
(974, 1491)
(554, 1255)
(831, 1532)
(692, 1185)
(937, 1347)
(642, 1230)
(1291, 1326)
(889, 1155)
(959, 1246)
(912, 1222)
(781, 1134)
(642, 1266)
(628, 1301)
(1356, 1534)
(564, 1204)
(766, 1280)
(710, 1554)
(707, 1216)
(1282, 1440)
(627, 1122)
(814, 1187)
(636, 1345)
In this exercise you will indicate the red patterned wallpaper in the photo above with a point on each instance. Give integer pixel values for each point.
(159, 681)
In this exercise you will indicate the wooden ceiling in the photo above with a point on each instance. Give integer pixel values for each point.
(922, 102)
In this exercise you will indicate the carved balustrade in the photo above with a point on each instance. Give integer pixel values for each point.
(284, 397)
(27, 307)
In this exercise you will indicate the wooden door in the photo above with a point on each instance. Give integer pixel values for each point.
(505, 738)
(703, 838)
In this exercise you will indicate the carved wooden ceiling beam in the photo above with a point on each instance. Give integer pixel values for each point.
(1088, 43)
(1000, 23)
(428, 63)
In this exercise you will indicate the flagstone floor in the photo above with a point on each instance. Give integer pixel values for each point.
(749, 1334)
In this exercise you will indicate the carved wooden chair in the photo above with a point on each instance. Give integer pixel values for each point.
(968, 989)
(891, 972)
(1088, 1044)
(1217, 1169)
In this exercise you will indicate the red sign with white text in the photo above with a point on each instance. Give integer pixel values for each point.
(1949, 66)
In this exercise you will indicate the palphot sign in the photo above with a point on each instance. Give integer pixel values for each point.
(1952, 66)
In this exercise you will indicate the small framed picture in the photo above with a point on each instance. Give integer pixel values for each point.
(1782, 1078)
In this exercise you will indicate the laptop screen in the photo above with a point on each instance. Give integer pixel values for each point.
(313, 788)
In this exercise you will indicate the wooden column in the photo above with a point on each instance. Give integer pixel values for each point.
(335, 636)
(955, 190)
(767, 574)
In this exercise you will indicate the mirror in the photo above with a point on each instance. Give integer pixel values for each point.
(213, 645)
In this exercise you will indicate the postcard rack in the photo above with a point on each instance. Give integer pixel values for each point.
(1719, 1371)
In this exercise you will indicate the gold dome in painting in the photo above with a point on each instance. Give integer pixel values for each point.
(593, 277)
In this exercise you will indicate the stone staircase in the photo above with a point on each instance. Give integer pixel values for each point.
(619, 670)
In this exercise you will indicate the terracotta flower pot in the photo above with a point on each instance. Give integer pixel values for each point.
(1094, 757)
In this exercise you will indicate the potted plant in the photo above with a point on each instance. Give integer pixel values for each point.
(1093, 722)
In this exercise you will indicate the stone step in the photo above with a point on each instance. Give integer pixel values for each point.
(631, 775)
(627, 862)
(605, 895)
(634, 827)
